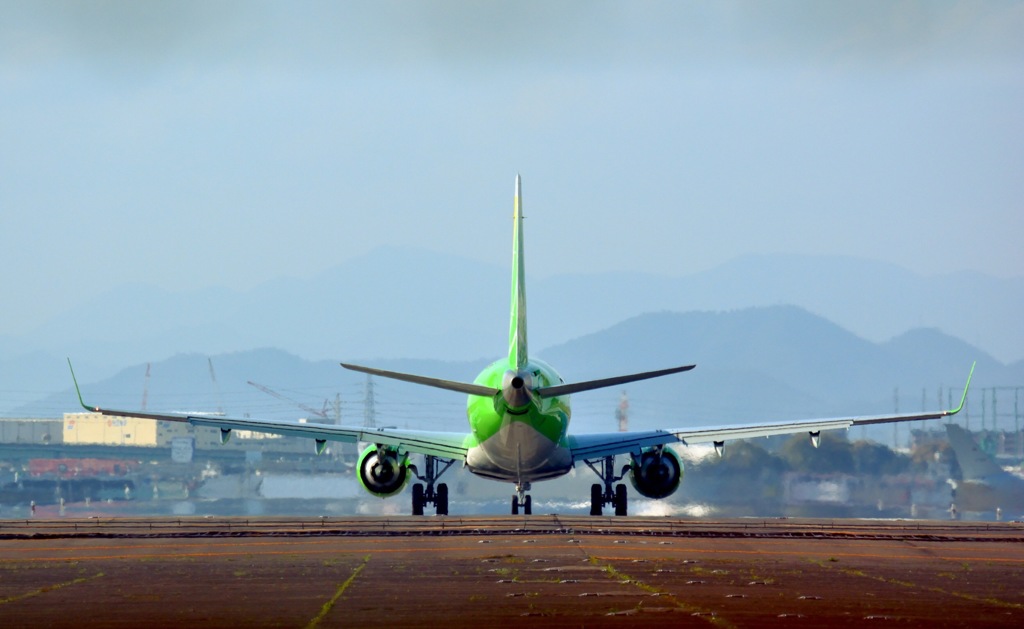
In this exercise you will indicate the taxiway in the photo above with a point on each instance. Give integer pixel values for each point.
(538, 571)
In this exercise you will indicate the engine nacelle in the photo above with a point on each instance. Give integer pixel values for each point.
(382, 472)
(656, 474)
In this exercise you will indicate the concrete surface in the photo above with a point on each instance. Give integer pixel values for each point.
(526, 571)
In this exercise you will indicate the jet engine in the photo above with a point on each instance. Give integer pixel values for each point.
(656, 473)
(382, 471)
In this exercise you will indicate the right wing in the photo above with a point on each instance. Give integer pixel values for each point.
(592, 446)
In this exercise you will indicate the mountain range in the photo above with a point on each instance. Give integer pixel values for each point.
(752, 364)
(851, 332)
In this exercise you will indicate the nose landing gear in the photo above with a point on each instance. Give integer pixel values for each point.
(521, 499)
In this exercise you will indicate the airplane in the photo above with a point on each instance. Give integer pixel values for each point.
(519, 412)
(983, 485)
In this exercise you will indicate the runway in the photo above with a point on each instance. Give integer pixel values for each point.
(537, 570)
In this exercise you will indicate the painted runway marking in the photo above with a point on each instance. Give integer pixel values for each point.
(908, 584)
(693, 610)
(334, 599)
(49, 588)
(205, 544)
(795, 553)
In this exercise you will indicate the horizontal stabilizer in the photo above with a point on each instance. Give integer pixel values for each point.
(451, 385)
(590, 385)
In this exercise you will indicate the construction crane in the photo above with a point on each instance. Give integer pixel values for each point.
(145, 388)
(322, 414)
(216, 387)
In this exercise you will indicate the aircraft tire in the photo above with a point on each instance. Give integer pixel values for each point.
(595, 499)
(417, 499)
(621, 499)
(515, 505)
(528, 506)
(441, 501)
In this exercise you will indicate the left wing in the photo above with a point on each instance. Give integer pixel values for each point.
(594, 446)
(447, 445)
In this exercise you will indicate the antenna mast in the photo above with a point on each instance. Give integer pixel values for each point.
(369, 405)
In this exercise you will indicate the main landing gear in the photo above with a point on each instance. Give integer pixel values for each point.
(422, 496)
(602, 494)
(521, 499)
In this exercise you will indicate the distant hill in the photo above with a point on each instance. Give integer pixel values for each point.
(874, 300)
(777, 362)
(394, 303)
(753, 364)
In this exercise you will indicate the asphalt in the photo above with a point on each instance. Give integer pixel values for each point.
(502, 571)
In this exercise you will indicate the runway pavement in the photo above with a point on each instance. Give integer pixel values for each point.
(531, 571)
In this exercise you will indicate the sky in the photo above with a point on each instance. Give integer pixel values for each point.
(187, 145)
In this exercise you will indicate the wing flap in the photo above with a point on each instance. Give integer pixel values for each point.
(609, 444)
(693, 436)
(448, 445)
(597, 445)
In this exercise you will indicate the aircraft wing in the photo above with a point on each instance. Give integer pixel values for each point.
(594, 446)
(447, 445)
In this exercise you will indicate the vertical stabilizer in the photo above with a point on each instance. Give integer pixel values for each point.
(517, 356)
(974, 463)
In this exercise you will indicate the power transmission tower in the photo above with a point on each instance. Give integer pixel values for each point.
(216, 387)
(369, 405)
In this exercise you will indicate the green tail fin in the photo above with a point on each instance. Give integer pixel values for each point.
(517, 355)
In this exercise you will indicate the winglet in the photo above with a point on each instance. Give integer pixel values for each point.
(963, 399)
(92, 409)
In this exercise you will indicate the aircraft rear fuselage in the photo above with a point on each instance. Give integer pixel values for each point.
(519, 436)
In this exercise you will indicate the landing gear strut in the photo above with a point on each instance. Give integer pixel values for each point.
(523, 500)
(603, 493)
(421, 496)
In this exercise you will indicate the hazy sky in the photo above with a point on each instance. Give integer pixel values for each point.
(192, 144)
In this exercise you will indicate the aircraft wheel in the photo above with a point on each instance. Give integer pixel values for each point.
(528, 505)
(515, 505)
(441, 501)
(620, 499)
(417, 499)
(595, 499)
